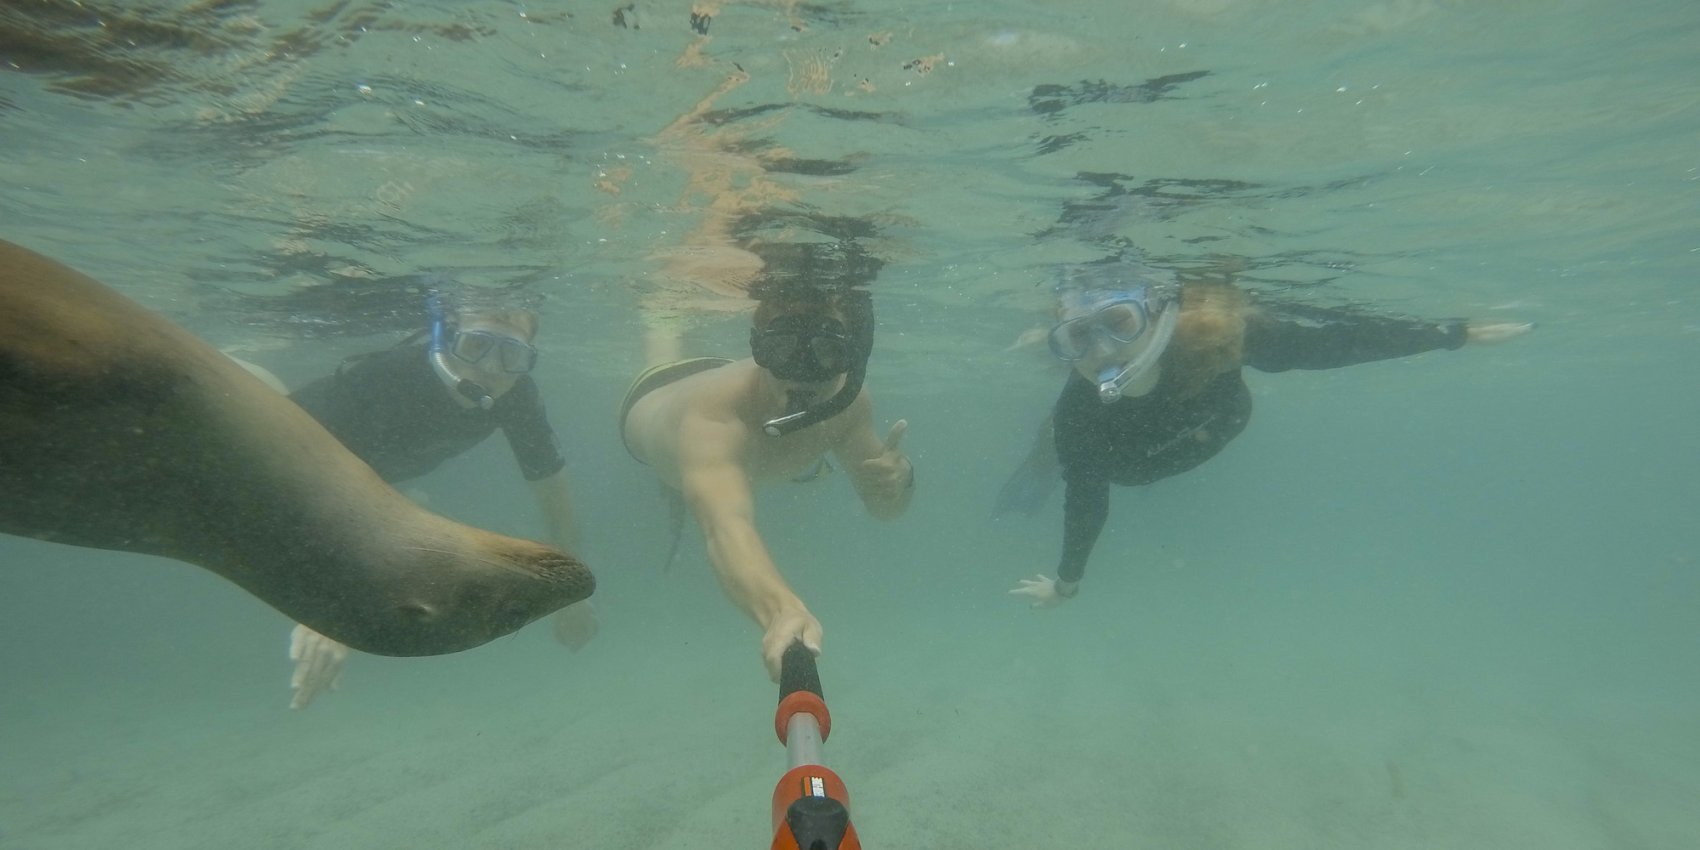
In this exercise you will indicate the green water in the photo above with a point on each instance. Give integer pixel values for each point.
(1439, 602)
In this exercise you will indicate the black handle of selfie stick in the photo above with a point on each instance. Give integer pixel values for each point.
(797, 672)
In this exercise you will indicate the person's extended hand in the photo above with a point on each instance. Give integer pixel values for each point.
(890, 474)
(1042, 589)
(1496, 332)
(790, 626)
(318, 665)
(576, 624)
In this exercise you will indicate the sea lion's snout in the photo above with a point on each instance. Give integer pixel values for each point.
(565, 572)
(557, 567)
(482, 604)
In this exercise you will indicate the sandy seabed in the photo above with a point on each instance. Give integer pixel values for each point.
(659, 736)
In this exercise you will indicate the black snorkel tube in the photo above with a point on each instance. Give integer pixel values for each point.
(798, 420)
(472, 391)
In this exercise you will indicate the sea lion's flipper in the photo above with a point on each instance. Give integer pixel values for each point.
(1031, 485)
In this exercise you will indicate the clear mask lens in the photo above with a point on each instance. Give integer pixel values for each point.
(831, 351)
(1121, 322)
(515, 357)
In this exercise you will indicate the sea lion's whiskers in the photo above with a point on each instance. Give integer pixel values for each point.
(550, 567)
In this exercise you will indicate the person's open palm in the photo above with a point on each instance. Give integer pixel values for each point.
(318, 665)
(1040, 589)
(576, 624)
(1495, 332)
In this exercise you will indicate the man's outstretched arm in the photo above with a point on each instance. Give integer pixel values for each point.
(718, 492)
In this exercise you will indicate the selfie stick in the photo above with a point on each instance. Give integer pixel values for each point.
(811, 807)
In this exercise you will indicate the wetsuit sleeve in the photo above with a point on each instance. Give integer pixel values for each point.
(1080, 429)
(1279, 337)
(1085, 507)
(526, 425)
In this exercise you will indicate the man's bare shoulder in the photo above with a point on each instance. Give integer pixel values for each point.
(711, 404)
(718, 394)
(698, 406)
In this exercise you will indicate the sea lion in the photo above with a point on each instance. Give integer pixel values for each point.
(121, 430)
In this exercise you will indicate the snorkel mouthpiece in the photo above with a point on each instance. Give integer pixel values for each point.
(797, 404)
(470, 390)
(1110, 383)
(801, 412)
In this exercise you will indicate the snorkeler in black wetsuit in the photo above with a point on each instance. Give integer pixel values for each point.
(390, 409)
(1157, 387)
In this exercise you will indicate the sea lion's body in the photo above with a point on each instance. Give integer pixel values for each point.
(120, 430)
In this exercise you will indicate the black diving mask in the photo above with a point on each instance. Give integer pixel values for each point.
(803, 348)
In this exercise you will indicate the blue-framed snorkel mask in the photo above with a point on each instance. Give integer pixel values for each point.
(1141, 315)
(438, 353)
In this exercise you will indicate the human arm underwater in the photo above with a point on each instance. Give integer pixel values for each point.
(1082, 439)
(555, 503)
(1086, 507)
(718, 492)
(575, 625)
(538, 453)
(1280, 336)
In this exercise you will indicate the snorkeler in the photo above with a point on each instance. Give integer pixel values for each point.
(712, 428)
(407, 409)
(1156, 387)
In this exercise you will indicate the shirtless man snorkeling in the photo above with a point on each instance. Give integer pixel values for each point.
(712, 428)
